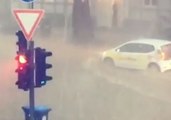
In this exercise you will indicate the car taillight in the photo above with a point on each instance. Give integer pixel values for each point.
(162, 55)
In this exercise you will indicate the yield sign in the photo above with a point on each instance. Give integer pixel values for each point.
(28, 20)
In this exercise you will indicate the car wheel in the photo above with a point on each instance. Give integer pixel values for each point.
(153, 68)
(108, 62)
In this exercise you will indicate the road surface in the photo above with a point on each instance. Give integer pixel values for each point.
(82, 88)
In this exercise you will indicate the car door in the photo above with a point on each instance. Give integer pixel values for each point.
(134, 55)
(127, 55)
(143, 54)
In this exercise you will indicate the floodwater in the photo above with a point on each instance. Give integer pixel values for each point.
(82, 88)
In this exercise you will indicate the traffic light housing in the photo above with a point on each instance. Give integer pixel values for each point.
(23, 60)
(23, 70)
(22, 42)
(41, 66)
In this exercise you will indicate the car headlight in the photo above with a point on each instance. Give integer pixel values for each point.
(104, 54)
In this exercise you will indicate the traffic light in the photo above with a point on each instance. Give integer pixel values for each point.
(41, 66)
(22, 42)
(23, 68)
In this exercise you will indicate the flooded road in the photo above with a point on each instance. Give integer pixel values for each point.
(83, 89)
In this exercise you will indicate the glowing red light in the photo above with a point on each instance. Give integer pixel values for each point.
(21, 68)
(22, 59)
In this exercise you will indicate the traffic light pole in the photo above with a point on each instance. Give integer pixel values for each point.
(31, 91)
(31, 72)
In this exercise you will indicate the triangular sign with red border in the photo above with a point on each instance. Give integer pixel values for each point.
(28, 20)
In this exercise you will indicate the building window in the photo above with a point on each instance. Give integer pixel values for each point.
(150, 2)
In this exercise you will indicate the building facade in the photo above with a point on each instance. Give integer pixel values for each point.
(139, 14)
(145, 14)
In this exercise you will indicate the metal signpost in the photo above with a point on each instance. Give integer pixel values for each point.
(31, 71)
(31, 92)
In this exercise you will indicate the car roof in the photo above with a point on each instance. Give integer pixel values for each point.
(154, 42)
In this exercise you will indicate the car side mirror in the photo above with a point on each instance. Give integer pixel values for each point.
(117, 50)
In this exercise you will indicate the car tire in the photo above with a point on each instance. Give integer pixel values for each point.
(108, 62)
(153, 68)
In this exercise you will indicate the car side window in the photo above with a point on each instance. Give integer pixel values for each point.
(145, 48)
(136, 48)
(130, 47)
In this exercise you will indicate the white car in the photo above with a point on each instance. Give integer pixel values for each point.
(153, 54)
